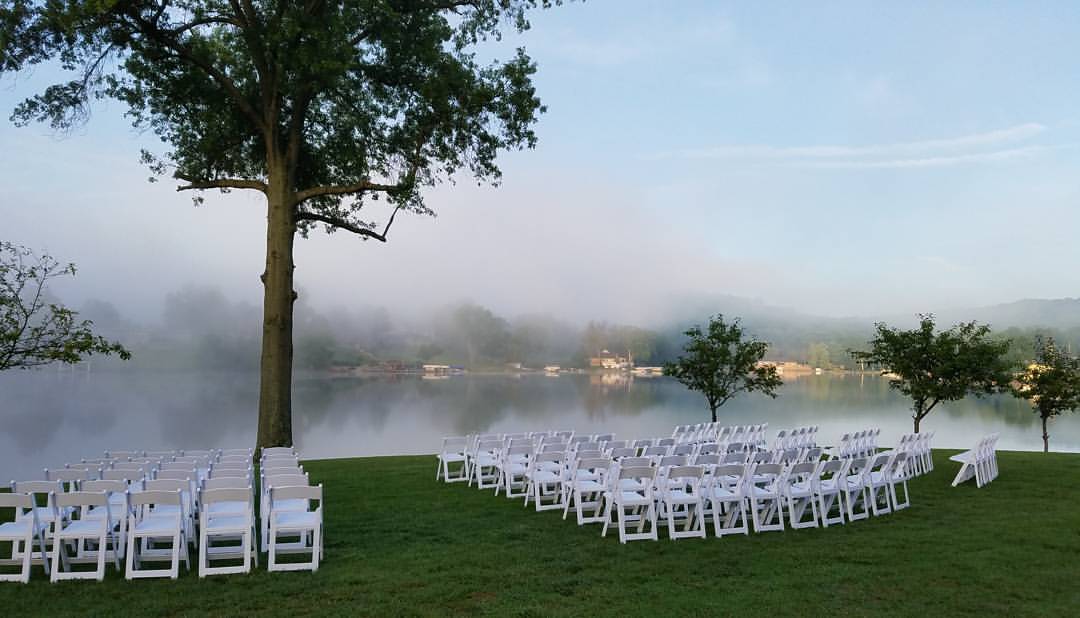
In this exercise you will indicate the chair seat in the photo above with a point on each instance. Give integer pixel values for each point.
(99, 512)
(228, 524)
(588, 485)
(17, 529)
(164, 525)
(546, 476)
(763, 492)
(82, 527)
(44, 514)
(452, 457)
(678, 496)
(631, 498)
(304, 520)
(965, 457)
(722, 493)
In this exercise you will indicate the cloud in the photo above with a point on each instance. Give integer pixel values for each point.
(921, 153)
(944, 161)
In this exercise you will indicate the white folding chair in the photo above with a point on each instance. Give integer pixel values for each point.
(853, 488)
(681, 498)
(725, 495)
(23, 532)
(156, 516)
(117, 492)
(453, 451)
(79, 529)
(585, 489)
(545, 479)
(289, 479)
(632, 505)
(766, 498)
(226, 528)
(298, 523)
(828, 486)
(798, 489)
(877, 483)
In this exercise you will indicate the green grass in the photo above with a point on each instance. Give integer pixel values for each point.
(398, 543)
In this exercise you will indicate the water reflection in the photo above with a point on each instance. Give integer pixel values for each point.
(50, 418)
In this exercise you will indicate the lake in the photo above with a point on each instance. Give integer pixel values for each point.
(52, 416)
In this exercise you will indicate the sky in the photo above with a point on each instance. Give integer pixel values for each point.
(839, 159)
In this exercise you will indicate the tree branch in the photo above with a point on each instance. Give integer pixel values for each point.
(222, 183)
(338, 222)
(357, 187)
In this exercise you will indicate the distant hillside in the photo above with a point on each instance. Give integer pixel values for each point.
(1062, 313)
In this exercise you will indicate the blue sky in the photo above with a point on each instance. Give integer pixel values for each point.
(837, 158)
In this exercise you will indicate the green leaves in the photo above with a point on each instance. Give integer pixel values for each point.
(1051, 383)
(32, 331)
(722, 362)
(931, 367)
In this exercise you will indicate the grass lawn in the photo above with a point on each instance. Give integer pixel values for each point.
(398, 543)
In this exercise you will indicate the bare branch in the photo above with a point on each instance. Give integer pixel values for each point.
(349, 227)
(222, 183)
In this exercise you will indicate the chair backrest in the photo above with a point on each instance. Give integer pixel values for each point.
(127, 475)
(590, 454)
(644, 473)
(226, 483)
(684, 449)
(278, 450)
(656, 451)
(689, 474)
(709, 448)
(167, 485)
(124, 454)
(665, 442)
(216, 473)
(600, 464)
(613, 444)
(707, 460)
(130, 465)
(178, 475)
(81, 499)
(673, 460)
(107, 486)
(242, 452)
(66, 475)
(157, 497)
(297, 492)
(37, 487)
(285, 479)
(454, 444)
(604, 437)
(768, 469)
(557, 447)
(229, 494)
(636, 462)
(16, 501)
(620, 453)
(738, 457)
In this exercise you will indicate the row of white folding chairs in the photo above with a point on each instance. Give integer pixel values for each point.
(920, 454)
(109, 519)
(461, 451)
(713, 432)
(642, 490)
(858, 444)
(800, 437)
(980, 462)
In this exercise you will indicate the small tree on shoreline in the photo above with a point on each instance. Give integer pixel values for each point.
(33, 331)
(933, 367)
(722, 362)
(1051, 384)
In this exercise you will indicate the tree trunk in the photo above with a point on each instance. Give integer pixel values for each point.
(917, 419)
(713, 414)
(1046, 437)
(275, 375)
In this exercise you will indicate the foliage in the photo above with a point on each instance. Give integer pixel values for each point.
(1051, 383)
(722, 362)
(394, 561)
(932, 367)
(34, 331)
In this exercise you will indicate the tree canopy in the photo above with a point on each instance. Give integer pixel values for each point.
(324, 107)
(931, 367)
(1051, 383)
(723, 361)
(33, 330)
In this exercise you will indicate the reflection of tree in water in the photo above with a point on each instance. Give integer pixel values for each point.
(1004, 409)
(201, 411)
(604, 399)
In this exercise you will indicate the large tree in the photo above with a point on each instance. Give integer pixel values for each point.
(1051, 383)
(35, 331)
(722, 361)
(932, 366)
(323, 107)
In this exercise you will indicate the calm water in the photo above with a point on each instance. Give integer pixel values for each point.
(49, 418)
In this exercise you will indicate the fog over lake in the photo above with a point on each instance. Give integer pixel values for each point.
(55, 417)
